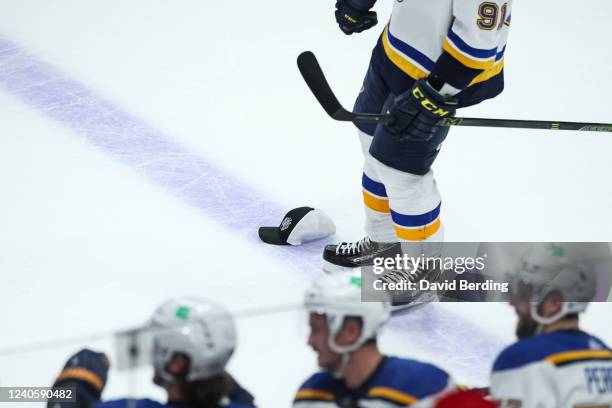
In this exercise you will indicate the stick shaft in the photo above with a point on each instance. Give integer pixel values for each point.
(529, 124)
(316, 81)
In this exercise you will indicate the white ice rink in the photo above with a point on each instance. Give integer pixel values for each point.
(142, 143)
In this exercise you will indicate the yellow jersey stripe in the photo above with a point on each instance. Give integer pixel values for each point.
(490, 67)
(467, 61)
(376, 203)
(400, 61)
(567, 356)
(392, 394)
(308, 393)
(490, 73)
(418, 234)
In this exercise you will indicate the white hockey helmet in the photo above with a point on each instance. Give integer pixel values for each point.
(338, 296)
(202, 330)
(546, 268)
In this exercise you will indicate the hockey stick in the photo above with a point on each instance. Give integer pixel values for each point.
(315, 79)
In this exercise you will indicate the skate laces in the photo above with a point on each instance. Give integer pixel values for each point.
(353, 248)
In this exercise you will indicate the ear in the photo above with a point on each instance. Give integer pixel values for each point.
(551, 305)
(351, 331)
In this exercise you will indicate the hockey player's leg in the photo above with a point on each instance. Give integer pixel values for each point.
(373, 94)
(372, 97)
(414, 204)
(379, 227)
(380, 240)
(404, 168)
(378, 223)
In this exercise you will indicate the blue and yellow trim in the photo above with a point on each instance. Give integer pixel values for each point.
(475, 58)
(312, 394)
(419, 220)
(418, 234)
(374, 187)
(417, 65)
(464, 47)
(407, 58)
(375, 195)
(500, 54)
(489, 73)
(417, 227)
(577, 356)
(392, 395)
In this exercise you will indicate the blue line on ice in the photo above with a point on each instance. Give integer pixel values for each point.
(466, 349)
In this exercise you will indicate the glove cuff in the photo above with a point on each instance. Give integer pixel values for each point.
(436, 94)
(443, 88)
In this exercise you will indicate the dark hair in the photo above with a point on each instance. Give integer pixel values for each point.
(205, 393)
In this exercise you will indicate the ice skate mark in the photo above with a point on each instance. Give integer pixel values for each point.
(222, 197)
(147, 150)
(460, 350)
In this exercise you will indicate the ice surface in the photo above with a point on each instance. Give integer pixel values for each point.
(144, 142)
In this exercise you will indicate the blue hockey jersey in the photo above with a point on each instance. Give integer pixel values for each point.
(396, 382)
(560, 369)
(462, 42)
(147, 403)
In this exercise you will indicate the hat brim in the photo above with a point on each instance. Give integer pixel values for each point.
(271, 235)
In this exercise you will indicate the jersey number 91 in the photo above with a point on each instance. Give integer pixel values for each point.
(490, 15)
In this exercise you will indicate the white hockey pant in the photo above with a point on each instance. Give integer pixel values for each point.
(399, 206)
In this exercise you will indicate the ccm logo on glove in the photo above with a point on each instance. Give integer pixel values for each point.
(428, 104)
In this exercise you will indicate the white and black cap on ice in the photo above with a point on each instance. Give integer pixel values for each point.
(300, 225)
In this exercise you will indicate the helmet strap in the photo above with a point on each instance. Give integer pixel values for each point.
(335, 325)
(542, 321)
(340, 372)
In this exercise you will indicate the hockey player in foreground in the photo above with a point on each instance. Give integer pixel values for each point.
(554, 363)
(343, 332)
(193, 340)
(432, 58)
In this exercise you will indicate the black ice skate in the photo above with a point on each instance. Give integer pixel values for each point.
(348, 255)
(404, 299)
